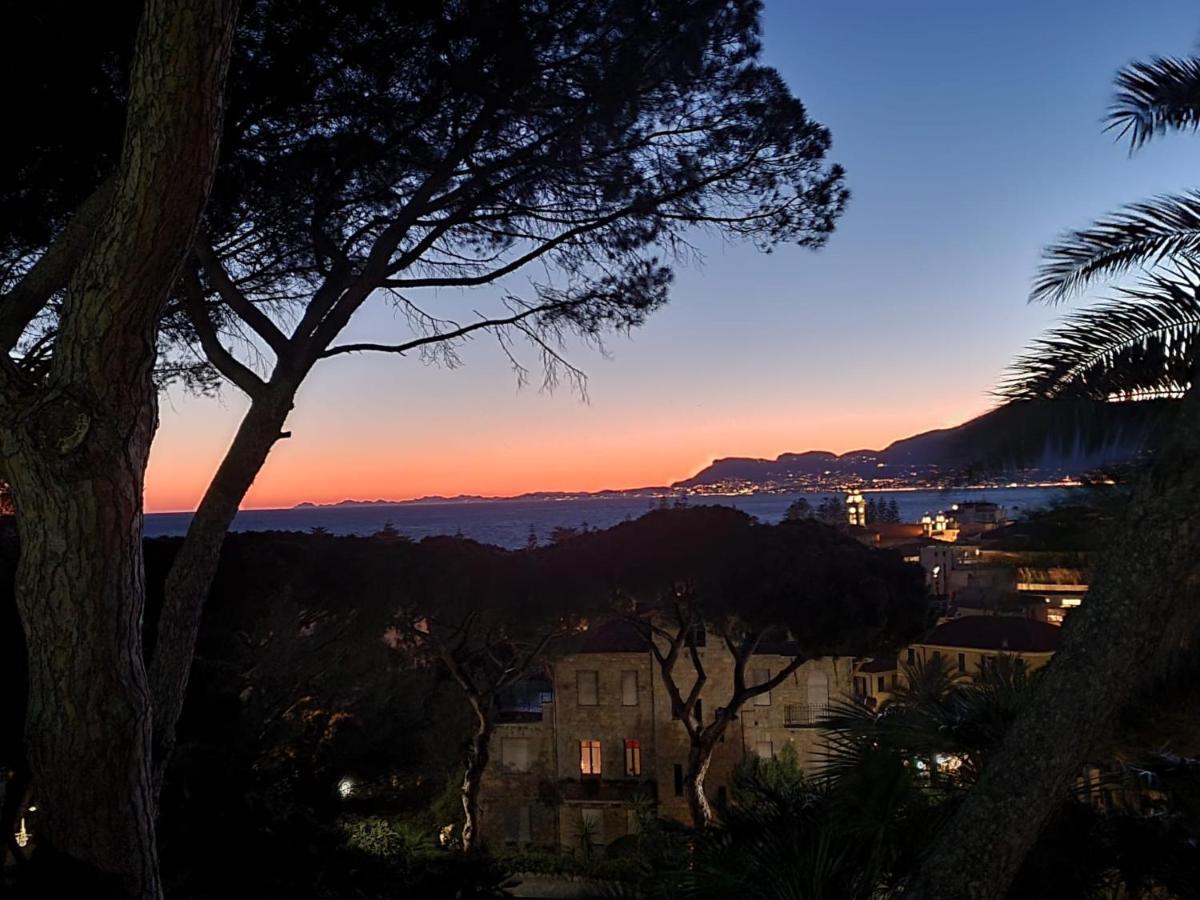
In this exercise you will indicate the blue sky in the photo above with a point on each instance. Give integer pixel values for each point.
(972, 135)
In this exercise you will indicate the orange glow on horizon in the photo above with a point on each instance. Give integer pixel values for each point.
(320, 467)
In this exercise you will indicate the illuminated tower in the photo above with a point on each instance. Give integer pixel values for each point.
(856, 508)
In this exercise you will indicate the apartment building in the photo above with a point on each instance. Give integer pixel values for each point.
(602, 738)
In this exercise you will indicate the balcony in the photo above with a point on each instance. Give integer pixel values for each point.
(804, 715)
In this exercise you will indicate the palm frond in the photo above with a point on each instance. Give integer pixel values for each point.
(1140, 344)
(1155, 96)
(1164, 229)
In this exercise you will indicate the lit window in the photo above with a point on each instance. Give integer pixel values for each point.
(633, 757)
(588, 684)
(589, 758)
(629, 689)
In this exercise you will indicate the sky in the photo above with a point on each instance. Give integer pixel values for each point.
(971, 134)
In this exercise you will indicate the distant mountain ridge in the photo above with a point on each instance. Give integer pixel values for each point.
(1038, 440)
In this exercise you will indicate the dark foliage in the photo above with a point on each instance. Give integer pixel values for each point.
(828, 593)
(376, 145)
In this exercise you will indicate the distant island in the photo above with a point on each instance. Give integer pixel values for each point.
(1025, 443)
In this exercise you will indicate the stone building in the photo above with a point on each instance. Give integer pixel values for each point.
(601, 739)
(971, 643)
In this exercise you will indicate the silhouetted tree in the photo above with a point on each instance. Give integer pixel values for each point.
(830, 511)
(478, 612)
(386, 168)
(369, 147)
(798, 509)
(561, 533)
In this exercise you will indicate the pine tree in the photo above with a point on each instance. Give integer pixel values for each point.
(798, 509)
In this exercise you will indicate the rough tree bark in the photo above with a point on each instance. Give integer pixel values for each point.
(1140, 610)
(700, 755)
(75, 449)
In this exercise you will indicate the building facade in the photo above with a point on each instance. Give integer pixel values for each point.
(604, 742)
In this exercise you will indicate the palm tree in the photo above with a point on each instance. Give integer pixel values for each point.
(1139, 343)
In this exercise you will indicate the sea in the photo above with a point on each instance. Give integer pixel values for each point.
(509, 523)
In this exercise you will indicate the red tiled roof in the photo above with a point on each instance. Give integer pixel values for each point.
(1002, 633)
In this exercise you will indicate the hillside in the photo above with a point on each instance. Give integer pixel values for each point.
(1033, 439)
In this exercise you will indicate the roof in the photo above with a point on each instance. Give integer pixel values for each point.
(881, 664)
(1001, 633)
(991, 598)
(615, 636)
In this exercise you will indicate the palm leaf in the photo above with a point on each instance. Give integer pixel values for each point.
(1140, 344)
(1166, 228)
(1155, 96)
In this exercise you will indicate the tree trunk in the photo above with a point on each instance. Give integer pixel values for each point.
(193, 569)
(75, 446)
(477, 761)
(80, 586)
(1139, 611)
(700, 755)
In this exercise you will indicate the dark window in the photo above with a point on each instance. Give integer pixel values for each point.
(882, 684)
(629, 688)
(962, 662)
(912, 656)
(678, 780)
(762, 676)
(696, 635)
(722, 797)
(588, 687)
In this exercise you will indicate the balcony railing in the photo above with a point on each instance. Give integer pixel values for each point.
(804, 715)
